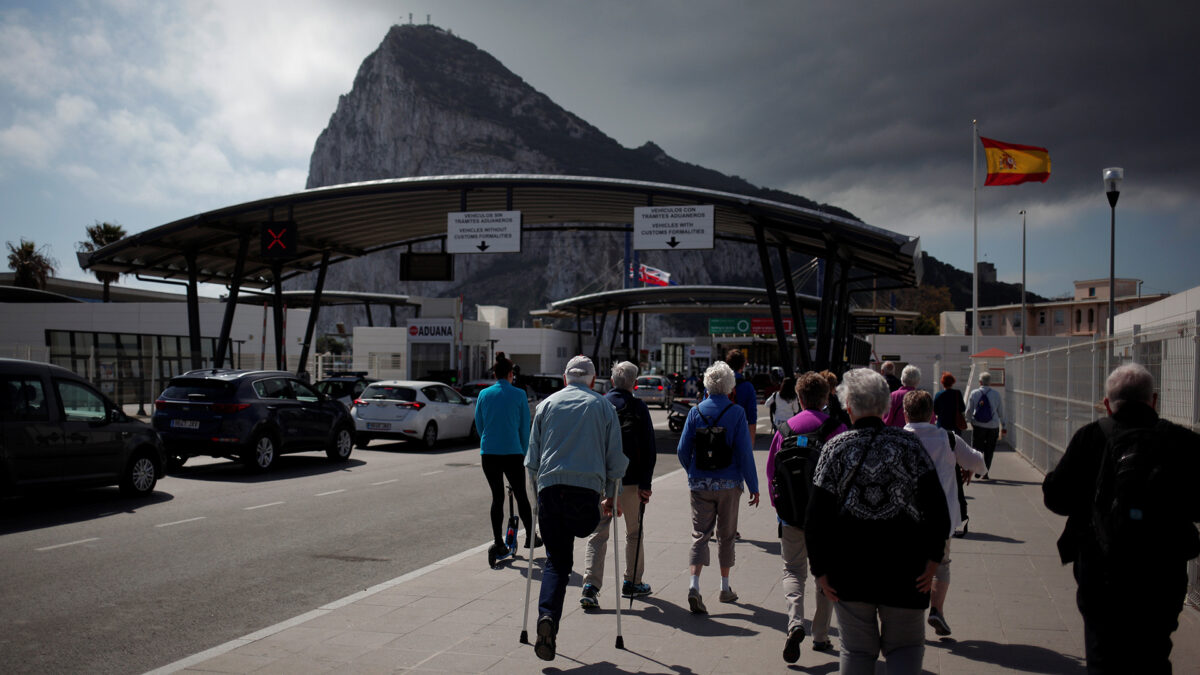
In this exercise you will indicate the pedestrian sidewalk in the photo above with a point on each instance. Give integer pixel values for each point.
(1011, 606)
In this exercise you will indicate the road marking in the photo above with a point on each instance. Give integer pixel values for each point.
(430, 473)
(69, 543)
(262, 506)
(180, 522)
(214, 652)
(385, 482)
(331, 492)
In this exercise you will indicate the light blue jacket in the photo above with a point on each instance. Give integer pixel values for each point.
(502, 420)
(576, 440)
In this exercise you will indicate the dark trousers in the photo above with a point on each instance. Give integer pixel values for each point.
(564, 513)
(962, 495)
(496, 468)
(1128, 618)
(984, 440)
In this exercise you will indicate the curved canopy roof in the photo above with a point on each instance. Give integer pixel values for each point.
(357, 219)
(670, 299)
(329, 298)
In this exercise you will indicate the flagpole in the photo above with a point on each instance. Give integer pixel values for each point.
(975, 244)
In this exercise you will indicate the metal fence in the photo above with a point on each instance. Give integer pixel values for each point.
(1052, 393)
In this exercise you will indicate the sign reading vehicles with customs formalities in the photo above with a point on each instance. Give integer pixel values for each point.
(673, 227)
(483, 232)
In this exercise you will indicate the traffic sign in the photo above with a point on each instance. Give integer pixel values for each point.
(673, 227)
(727, 326)
(277, 240)
(483, 232)
(874, 325)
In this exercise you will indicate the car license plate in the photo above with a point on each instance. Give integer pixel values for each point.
(185, 424)
(378, 426)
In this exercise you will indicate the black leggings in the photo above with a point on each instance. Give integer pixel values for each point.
(496, 468)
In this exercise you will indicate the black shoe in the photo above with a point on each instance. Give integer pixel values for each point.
(544, 648)
(791, 648)
(496, 553)
(825, 646)
(938, 622)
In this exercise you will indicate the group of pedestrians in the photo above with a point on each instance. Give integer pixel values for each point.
(882, 504)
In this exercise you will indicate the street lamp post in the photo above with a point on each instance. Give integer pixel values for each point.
(1112, 187)
(1023, 315)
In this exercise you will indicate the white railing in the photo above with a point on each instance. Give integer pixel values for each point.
(1052, 393)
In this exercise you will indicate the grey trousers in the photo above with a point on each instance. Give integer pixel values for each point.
(795, 571)
(868, 630)
(597, 544)
(714, 510)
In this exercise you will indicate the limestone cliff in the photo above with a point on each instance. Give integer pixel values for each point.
(428, 103)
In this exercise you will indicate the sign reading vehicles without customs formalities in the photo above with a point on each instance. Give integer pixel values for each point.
(673, 227)
(483, 232)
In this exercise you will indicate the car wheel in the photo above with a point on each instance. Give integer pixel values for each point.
(675, 426)
(430, 436)
(343, 443)
(140, 476)
(261, 454)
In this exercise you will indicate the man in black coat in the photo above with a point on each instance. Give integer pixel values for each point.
(1130, 599)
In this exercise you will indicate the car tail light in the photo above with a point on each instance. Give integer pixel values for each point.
(635, 387)
(359, 401)
(228, 408)
(660, 387)
(414, 405)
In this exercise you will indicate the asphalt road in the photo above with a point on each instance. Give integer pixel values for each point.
(92, 582)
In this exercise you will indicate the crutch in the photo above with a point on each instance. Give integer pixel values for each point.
(637, 551)
(617, 566)
(529, 569)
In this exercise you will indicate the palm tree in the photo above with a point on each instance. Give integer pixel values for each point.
(99, 236)
(30, 264)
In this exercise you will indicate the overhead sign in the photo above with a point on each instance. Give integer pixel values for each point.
(673, 227)
(729, 326)
(766, 326)
(277, 240)
(431, 330)
(874, 325)
(483, 232)
(700, 352)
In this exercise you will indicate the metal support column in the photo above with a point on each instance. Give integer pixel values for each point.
(277, 306)
(193, 309)
(612, 344)
(781, 337)
(313, 313)
(837, 357)
(599, 337)
(578, 330)
(370, 319)
(799, 327)
(239, 268)
(825, 316)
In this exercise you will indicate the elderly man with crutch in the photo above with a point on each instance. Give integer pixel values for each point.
(574, 459)
(637, 441)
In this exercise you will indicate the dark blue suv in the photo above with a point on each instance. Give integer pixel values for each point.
(250, 415)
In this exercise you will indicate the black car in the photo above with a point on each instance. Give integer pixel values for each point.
(344, 386)
(59, 430)
(249, 415)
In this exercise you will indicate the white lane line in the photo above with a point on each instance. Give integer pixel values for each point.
(385, 482)
(214, 652)
(180, 522)
(69, 543)
(430, 473)
(262, 506)
(326, 494)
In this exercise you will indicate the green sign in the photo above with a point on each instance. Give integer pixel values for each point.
(727, 326)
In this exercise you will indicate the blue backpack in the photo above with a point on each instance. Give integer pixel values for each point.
(983, 409)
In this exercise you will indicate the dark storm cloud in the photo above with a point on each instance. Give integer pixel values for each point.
(890, 88)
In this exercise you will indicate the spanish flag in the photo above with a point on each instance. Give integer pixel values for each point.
(1010, 164)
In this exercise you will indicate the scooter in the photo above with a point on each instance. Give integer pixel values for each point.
(510, 536)
(677, 415)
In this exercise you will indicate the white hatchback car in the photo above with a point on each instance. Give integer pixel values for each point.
(412, 410)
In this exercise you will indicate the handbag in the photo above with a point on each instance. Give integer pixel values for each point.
(960, 422)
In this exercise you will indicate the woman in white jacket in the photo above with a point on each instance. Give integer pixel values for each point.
(783, 404)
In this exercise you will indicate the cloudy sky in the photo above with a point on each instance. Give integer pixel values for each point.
(142, 112)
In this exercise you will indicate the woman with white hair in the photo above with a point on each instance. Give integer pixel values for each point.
(716, 451)
(876, 530)
(910, 379)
